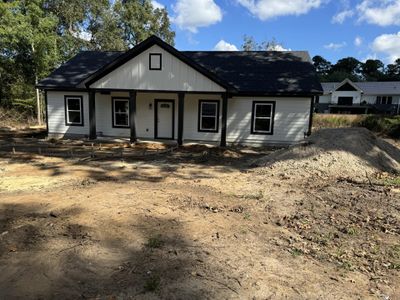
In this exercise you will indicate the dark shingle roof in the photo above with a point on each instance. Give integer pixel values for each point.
(260, 72)
(267, 72)
(78, 68)
(368, 87)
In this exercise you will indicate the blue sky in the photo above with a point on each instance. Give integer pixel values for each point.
(334, 29)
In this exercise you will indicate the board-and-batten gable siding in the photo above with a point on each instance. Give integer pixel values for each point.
(191, 119)
(174, 76)
(144, 114)
(56, 114)
(290, 123)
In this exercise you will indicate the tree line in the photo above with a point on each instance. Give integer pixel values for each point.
(350, 67)
(36, 36)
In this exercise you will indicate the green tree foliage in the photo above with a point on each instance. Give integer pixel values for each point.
(250, 44)
(36, 36)
(373, 70)
(349, 67)
(322, 66)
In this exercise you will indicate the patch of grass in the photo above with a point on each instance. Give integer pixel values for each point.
(386, 125)
(152, 284)
(350, 230)
(247, 216)
(335, 121)
(257, 196)
(296, 252)
(155, 242)
(393, 181)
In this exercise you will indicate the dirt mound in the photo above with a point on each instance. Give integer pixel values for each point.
(351, 152)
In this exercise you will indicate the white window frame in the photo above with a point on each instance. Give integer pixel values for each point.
(216, 116)
(115, 125)
(67, 110)
(270, 118)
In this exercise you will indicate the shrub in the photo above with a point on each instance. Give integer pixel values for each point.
(386, 125)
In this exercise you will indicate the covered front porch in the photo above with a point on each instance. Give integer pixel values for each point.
(157, 115)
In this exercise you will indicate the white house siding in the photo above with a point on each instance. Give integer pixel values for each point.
(355, 94)
(290, 122)
(104, 116)
(56, 114)
(174, 76)
(191, 119)
(358, 98)
(144, 114)
(371, 99)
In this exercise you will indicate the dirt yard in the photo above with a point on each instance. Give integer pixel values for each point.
(316, 221)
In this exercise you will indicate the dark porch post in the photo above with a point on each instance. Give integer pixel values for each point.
(224, 118)
(92, 115)
(132, 115)
(310, 121)
(181, 106)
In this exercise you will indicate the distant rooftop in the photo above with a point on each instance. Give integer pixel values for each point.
(368, 87)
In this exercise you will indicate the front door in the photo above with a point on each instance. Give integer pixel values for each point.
(164, 119)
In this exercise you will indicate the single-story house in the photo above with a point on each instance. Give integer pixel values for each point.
(359, 97)
(154, 91)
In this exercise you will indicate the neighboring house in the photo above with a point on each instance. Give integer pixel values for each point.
(154, 91)
(359, 97)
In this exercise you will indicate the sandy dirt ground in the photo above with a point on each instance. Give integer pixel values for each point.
(198, 223)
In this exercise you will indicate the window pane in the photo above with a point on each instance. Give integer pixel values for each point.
(73, 104)
(74, 117)
(121, 106)
(263, 110)
(389, 100)
(208, 123)
(155, 61)
(209, 109)
(262, 125)
(121, 119)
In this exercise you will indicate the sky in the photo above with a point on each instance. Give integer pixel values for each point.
(334, 29)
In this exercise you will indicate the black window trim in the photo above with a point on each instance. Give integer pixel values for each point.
(253, 111)
(150, 67)
(113, 112)
(80, 97)
(199, 116)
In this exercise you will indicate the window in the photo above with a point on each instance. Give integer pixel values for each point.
(345, 101)
(120, 109)
(263, 117)
(208, 115)
(384, 100)
(155, 61)
(73, 111)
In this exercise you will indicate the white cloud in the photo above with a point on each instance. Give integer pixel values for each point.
(388, 44)
(379, 12)
(277, 47)
(342, 16)
(224, 46)
(157, 4)
(358, 41)
(268, 9)
(335, 46)
(192, 14)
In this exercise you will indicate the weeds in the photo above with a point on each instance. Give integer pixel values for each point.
(151, 284)
(155, 242)
(386, 125)
(296, 252)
